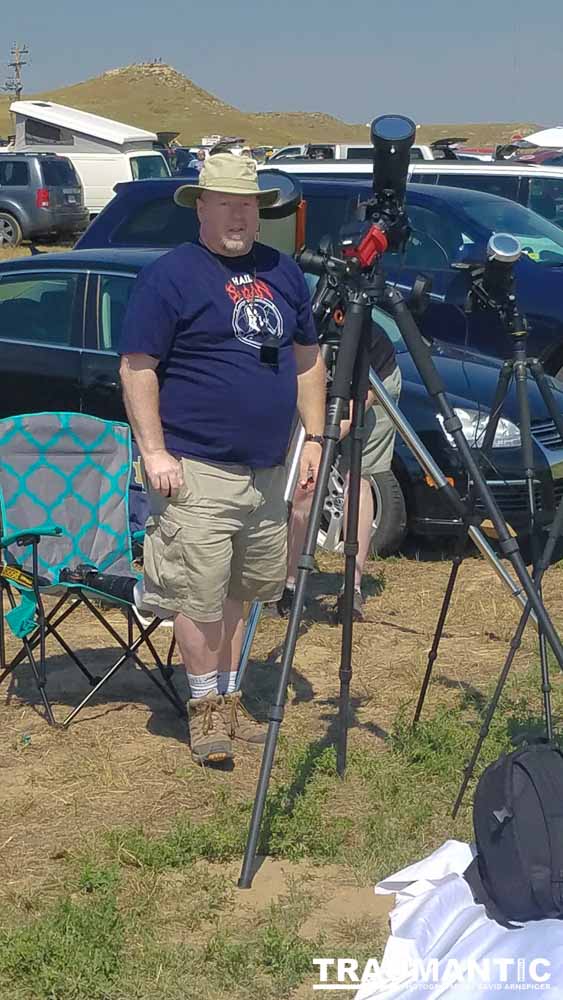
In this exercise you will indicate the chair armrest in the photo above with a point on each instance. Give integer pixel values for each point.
(138, 536)
(33, 534)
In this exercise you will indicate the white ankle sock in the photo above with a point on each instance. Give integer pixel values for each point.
(203, 684)
(226, 681)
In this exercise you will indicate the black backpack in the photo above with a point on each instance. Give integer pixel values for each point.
(518, 822)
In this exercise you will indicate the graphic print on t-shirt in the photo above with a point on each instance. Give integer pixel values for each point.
(255, 315)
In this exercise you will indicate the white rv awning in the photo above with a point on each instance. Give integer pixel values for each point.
(81, 121)
(548, 137)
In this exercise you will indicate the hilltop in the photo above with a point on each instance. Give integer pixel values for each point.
(157, 97)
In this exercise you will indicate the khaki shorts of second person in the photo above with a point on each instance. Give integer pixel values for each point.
(223, 535)
(379, 434)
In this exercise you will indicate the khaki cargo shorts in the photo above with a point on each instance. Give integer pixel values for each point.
(223, 535)
(379, 434)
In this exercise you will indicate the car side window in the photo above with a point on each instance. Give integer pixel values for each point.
(38, 307)
(326, 214)
(114, 292)
(425, 252)
(504, 185)
(362, 153)
(439, 227)
(418, 177)
(158, 223)
(14, 173)
(434, 240)
(545, 196)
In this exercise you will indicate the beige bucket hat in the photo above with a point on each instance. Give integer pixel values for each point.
(227, 174)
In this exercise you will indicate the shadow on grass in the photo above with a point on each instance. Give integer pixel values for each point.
(67, 686)
(421, 549)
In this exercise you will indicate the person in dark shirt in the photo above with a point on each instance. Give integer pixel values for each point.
(377, 453)
(219, 347)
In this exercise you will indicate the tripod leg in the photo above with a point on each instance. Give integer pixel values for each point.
(503, 384)
(450, 494)
(543, 564)
(359, 393)
(435, 386)
(432, 656)
(339, 395)
(483, 732)
(538, 373)
(500, 395)
(521, 372)
(542, 383)
(492, 424)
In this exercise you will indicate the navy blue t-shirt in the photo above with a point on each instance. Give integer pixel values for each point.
(205, 317)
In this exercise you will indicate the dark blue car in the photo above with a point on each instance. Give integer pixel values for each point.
(60, 322)
(448, 225)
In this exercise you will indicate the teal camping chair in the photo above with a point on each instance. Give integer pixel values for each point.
(64, 489)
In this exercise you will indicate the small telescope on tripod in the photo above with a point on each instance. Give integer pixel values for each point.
(352, 281)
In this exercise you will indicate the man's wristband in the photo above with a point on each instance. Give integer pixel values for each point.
(315, 437)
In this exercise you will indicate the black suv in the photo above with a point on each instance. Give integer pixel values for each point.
(41, 197)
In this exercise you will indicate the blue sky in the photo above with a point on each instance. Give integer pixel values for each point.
(435, 60)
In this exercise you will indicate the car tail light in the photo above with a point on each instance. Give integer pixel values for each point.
(42, 198)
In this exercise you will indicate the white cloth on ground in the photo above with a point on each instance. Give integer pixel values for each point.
(435, 918)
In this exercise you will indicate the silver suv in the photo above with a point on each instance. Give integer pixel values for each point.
(41, 197)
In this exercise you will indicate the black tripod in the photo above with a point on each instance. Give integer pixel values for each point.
(494, 289)
(355, 283)
(350, 383)
(351, 370)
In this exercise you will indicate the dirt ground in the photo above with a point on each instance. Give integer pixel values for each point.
(125, 759)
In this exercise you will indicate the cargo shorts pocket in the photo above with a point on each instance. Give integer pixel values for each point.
(164, 556)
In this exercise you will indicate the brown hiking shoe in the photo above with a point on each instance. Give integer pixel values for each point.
(357, 607)
(238, 721)
(209, 737)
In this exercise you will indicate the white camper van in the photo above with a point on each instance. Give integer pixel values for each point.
(103, 151)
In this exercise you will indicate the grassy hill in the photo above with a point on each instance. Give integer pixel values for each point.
(157, 97)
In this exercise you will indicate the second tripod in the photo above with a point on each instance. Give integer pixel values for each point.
(493, 288)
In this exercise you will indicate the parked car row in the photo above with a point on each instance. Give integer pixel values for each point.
(536, 186)
(447, 223)
(335, 152)
(61, 317)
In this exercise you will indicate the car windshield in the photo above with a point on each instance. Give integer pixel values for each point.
(390, 327)
(378, 316)
(540, 239)
(145, 167)
(57, 173)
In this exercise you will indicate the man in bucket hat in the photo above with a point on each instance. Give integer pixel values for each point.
(218, 348)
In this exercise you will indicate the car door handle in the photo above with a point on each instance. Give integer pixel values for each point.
(106, 382)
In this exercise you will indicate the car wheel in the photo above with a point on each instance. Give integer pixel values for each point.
(390, 517)
(390, 521)
(10, 231)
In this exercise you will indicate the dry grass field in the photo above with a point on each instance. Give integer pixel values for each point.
(120, 856)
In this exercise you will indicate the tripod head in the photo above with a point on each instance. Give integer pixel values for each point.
(493, 283)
